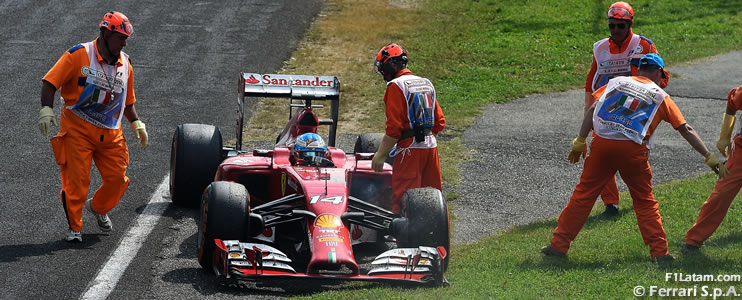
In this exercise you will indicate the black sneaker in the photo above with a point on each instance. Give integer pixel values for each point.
(689, 249)
(611, 210)
(663, 259)
(548, 251)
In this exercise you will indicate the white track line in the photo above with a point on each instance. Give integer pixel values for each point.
(114, 268)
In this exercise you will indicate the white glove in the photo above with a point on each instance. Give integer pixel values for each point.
(46, 119)
(140, 131)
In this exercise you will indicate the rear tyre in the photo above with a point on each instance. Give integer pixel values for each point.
(194, 158)
(225, 207)
(427, 216)
(369, 143)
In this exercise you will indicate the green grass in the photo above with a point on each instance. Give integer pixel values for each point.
(486, 51)
(607, 260)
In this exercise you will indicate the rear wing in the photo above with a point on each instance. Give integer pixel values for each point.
(303, 87)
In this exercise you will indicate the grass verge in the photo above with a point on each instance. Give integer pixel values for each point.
(607, 260)
(479, 52)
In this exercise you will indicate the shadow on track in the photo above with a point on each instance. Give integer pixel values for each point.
(11, 253)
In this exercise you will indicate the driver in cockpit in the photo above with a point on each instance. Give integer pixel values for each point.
(310, 150)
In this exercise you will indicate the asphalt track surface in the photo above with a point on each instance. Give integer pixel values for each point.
(186, 58)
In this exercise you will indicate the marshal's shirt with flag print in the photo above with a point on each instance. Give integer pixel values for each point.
(92, 89)
(630, 108)
(411, 99)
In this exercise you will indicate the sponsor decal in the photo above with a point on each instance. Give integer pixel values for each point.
(419, 86)
(235, 255)
(332, 256)
(329, 232)
(267, 79)
(613, 63)
(328, 221)
(102, 79)
(252, 80)
(288, 80)
(333, 233)
(331, 239)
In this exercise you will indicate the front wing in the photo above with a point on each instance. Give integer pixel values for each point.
(250, 261)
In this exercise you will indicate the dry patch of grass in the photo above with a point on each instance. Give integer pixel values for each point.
(451, 154)
(343, 42)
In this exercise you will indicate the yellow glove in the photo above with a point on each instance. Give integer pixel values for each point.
(713, 162)
(578, 147)
(46, 119)
(140, 132)
(727, 125)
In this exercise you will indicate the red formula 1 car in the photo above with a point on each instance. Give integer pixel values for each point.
(265, 216)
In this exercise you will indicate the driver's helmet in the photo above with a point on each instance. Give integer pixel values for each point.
(117, 22)
(309, 145)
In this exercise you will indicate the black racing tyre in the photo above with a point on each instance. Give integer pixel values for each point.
(194, 158)
(427, 214)
(369, 143)
(225, 207)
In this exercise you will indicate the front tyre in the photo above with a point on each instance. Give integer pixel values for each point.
(427, 220)
(225, 207)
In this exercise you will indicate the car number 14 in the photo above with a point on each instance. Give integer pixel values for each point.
(334, 199)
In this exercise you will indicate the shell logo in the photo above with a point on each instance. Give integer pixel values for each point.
(328, 221)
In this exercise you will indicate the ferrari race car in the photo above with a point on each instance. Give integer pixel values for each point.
(265, 215)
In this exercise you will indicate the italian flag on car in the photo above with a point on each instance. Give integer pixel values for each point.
(332, 256)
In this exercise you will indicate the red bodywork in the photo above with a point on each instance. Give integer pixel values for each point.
(318, 200)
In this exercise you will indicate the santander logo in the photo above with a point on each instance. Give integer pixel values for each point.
(291, 80)
(252, 80)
